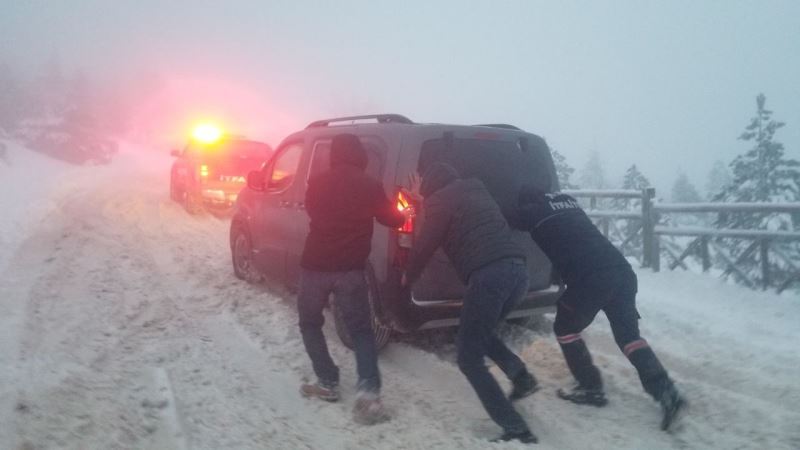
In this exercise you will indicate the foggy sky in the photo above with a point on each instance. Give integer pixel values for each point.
(664, 85)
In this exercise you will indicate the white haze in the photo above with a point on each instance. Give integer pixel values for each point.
(664, 85)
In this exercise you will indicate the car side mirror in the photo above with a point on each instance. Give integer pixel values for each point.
(255, 180)
(175, 152)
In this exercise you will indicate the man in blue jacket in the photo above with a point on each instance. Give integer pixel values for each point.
(598, 278)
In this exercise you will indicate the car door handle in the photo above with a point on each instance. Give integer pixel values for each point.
(300, 205)
(285, 204)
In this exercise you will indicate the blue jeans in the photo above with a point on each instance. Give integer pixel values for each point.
(350, 293)
(492, 291)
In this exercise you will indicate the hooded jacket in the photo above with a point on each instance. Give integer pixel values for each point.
(342, 204)
(462, 218)
(567, 235)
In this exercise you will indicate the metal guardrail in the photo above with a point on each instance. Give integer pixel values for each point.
(647, 225)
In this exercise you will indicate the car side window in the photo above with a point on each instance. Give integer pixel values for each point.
(321, 158)
(284, 167)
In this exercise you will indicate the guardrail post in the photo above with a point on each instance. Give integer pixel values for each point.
(655, 251)
(704, 254)
(648, 226)
(765, 275)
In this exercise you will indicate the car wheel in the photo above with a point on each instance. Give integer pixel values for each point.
(382, 332)
(242, 255)
(193, 203)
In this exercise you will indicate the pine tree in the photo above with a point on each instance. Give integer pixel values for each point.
(762, 174)
(683, 191)
(563, 170)
(13, 99)
(719, 179)
(632, 180)
(592, 175)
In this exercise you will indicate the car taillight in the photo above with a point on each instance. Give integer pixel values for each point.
(405, 235)
(203, 172)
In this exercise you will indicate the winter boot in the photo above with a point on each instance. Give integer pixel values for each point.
(589, 390)
(672, 404)
(526, 437)
(368, 409)
(523, 385)
(584, 396)
(321, 390)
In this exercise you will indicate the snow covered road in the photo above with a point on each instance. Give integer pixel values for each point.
(122, 326)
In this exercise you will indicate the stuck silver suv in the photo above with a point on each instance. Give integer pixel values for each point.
(270, 224)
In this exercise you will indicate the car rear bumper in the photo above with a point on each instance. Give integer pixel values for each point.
(407, 315)
(218, 196)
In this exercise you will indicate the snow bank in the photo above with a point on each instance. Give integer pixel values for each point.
(27, 180)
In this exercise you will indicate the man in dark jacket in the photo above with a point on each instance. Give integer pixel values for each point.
(342, 204)
(598, 278)
(463, 218)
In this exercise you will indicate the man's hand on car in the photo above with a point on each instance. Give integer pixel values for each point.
(414, 184)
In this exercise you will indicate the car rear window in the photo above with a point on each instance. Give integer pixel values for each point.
(491, 160)
(504, 166)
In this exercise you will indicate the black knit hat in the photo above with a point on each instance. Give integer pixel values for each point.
(348, 149)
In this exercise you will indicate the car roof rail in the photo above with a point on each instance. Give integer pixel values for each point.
(499, 125)
(380, 118)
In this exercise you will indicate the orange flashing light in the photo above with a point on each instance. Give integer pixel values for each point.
(204, 171)
(206, 133)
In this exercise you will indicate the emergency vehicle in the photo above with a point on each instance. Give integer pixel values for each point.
(212, 168)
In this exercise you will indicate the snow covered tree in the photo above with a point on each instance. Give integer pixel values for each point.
(719, 178)
(563, 170)
(633, 180)
(592, 175)
(762, 174)
(683, 191)
(13, 99)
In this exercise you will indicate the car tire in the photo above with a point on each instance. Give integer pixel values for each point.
(382, 332)
(193, 203)
(242, 255)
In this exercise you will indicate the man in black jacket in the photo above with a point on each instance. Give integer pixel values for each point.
(463, 218)
(342, 204)
(598, 277)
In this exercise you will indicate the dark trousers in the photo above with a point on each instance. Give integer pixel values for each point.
(612, 291)
(492, 292)
(350, 293)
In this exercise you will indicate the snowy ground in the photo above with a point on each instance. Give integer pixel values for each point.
(122, 326)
